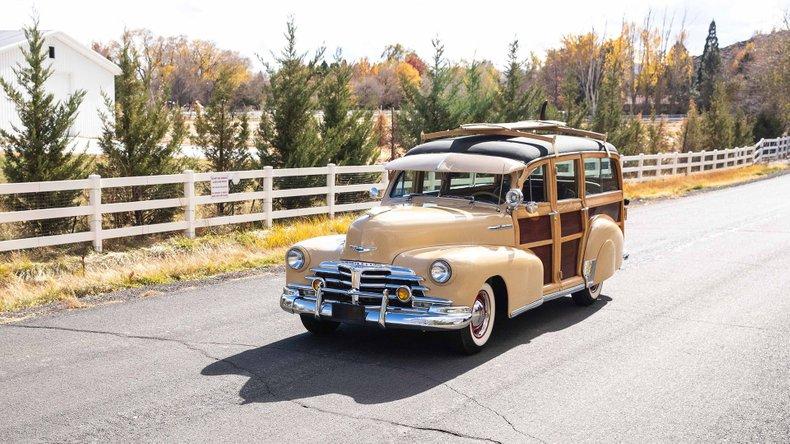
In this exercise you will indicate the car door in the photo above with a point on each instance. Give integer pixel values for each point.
(534, 220)
(570, 220)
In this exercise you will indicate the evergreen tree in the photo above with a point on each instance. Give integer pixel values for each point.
(288, 133)
(222, 135)
(719, 120)
(575, 110)
(40, 147)
(478, 100)
(767, 125)
(514, 101)
(742, 130)
(347, 133)
(140, 137)
(609, 111)
(709, 70)
(694, 132)
(432, 105)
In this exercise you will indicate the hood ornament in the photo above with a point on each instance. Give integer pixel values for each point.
(362, 249)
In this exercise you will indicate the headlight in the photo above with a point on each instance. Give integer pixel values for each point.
(295, 258)
(441, 272)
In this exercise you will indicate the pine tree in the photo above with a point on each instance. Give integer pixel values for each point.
(347, 133)
(694, 131)
(40, 147)
(719, 120)
(432, 105)
(222, 135)
(140, 137)
(742, 130)
(709, 70)
(288, 133)
(609, 111)
(476, 105)
(514, 101)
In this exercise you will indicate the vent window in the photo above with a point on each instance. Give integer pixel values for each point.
(51, 52)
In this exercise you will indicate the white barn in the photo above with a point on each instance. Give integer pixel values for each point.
(74, 67)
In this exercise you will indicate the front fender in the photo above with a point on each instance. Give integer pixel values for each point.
(317, 249)
(521, 271)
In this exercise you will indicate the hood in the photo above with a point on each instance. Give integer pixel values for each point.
(387, 231)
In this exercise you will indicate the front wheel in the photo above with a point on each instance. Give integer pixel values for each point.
(587, 296)
(318, 327)
(473, 338)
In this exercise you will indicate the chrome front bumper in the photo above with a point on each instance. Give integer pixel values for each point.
(435, 317)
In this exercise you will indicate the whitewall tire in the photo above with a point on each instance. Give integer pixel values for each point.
(474, 337)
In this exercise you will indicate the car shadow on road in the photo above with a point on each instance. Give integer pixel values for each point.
(376, 366)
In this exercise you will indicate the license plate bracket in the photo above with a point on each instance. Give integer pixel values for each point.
(348, 313)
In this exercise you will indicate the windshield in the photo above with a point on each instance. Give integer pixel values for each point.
(480, 187)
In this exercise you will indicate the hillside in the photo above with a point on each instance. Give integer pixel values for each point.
(747, 63)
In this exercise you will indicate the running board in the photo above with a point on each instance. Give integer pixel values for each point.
(546, 298)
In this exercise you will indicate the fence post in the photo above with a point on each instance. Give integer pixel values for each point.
(95, 202)
(330, 193)
(268, 186)
(189, 209)
(640, 165)
(675, 156)
(715, 165)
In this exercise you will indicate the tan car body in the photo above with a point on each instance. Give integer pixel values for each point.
(483, 243)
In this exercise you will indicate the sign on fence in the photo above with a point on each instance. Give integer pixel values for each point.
(219, 185)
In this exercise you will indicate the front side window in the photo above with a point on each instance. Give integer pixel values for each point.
(600, 176)
(534, 188)
(405, 184)
(567, 184)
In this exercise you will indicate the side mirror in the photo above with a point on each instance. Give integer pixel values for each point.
(514, 198)
(374, 193)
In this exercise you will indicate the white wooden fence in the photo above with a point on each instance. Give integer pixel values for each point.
(95, 209)
(635, 168)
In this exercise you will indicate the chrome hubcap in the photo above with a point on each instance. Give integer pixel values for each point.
(480, 317)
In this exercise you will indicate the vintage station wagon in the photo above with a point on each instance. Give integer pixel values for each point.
(479, 223)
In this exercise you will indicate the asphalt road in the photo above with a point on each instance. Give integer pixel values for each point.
(691, 342)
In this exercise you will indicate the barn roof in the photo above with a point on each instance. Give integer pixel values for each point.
(517, 148)
(11, 39)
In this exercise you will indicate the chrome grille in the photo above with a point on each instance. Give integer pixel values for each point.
(373, 279)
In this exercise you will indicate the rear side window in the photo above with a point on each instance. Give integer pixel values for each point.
(600, 176)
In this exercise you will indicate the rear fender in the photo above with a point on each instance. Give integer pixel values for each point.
(604, 245)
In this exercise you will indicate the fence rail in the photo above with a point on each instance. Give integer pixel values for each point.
(635, 168)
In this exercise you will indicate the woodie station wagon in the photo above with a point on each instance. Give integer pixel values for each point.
(479, 223)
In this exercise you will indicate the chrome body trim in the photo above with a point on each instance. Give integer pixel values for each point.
(500, 227)
(546, 298)
(434, 318)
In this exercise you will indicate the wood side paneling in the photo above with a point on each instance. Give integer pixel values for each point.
(569, 255)
(571, 223)
(534, 229)
(611, 209)
(544, 254)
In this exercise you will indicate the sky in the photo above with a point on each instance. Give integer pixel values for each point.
(469, 30)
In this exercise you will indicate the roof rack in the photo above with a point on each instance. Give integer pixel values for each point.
(525, 128)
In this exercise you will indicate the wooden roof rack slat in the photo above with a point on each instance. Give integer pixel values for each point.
(516, 129)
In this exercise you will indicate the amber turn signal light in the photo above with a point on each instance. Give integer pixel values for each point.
(403, 294)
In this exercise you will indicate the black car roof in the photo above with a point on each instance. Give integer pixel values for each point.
(518, 148)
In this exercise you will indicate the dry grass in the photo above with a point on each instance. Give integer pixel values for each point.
(681, 185)
(33, 278)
